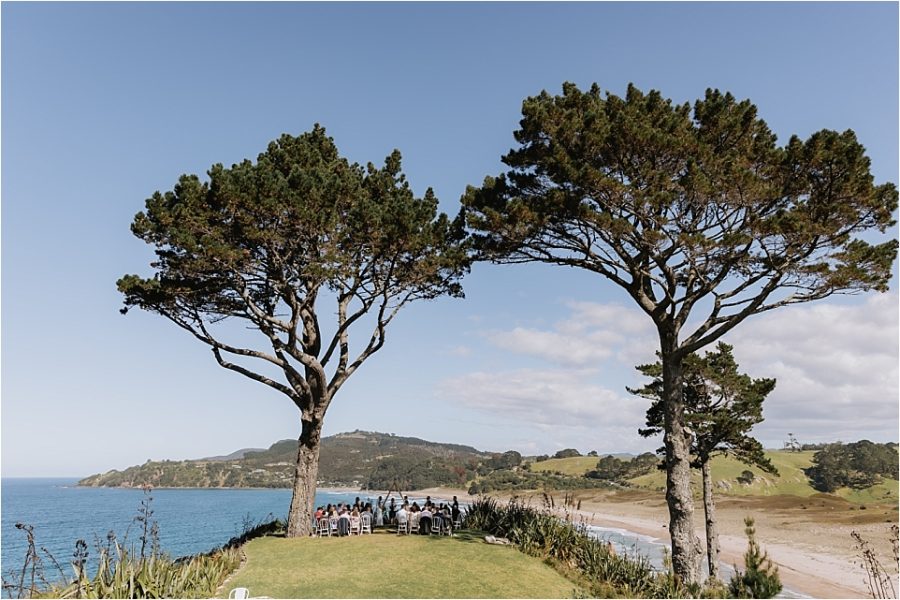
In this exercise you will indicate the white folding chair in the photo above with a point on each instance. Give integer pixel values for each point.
(239, 593)
(365, 524)
(414, 523)
(355, 526)
(436, 524)
(402, 526)
(324, 528)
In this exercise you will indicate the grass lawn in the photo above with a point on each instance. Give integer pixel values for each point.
(384, 565)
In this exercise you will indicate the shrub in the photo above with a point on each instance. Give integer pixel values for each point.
(760, 578)
(567, 453)
(543, 534)
(746, 477)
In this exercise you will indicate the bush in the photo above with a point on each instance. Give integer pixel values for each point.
(529, 480)
(611, 468)
(543, 534)
(746, 477)
(567, 453)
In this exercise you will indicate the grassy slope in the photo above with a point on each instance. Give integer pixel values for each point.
(577, 465)
(387, 566)
(790, 480)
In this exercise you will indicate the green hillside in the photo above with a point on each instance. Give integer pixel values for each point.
(358, 458)
(576, 465)
(791, 479)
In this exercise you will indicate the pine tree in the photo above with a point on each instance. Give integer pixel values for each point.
(721, 407)
(697, 214)
(760, 578)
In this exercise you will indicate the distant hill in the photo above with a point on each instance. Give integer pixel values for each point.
(358, 458)
(237, 454)
(791, 478)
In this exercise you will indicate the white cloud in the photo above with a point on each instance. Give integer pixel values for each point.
(625, 321)
(460, 350)
(565, 407)
(573, 350)
(836, 366)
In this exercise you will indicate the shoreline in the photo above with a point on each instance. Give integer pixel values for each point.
(818, 571)
(813, 552)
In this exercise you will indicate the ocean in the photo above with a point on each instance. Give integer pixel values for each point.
(190, 521)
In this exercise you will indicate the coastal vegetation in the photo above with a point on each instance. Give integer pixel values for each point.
(759, 579)
(116, 568)
(266, 245)
(565, 543)
(697, 214)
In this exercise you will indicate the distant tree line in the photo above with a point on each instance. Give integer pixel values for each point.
(611, 468)
(856, 465)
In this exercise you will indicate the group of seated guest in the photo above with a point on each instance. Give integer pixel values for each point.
(348, 516)
(421, 519)
(345, 518)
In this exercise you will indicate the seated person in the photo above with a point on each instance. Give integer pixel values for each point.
(425, 521)
(344, 522)
(402, 515)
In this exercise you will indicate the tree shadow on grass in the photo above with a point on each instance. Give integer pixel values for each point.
(465, 536)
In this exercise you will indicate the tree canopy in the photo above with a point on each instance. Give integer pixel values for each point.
(678, 204)
(268, 243)
(262, 241)
(721, 406)
(856, 465)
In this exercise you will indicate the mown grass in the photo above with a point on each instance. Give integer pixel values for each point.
(384, 565)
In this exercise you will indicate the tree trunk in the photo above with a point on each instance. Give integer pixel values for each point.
(305, 473)
(686, 550)
(712, 530)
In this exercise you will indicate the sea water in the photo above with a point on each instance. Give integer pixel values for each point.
(190, 521)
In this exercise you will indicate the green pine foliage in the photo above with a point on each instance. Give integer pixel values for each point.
(760, 577)
(721, 406)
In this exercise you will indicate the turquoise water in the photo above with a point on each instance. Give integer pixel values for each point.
(190, 520)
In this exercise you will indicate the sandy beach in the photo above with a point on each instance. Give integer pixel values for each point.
(808, 538)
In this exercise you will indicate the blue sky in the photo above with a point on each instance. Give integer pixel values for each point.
(102, 104)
